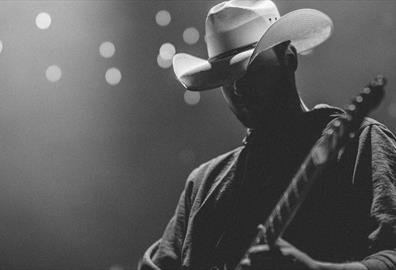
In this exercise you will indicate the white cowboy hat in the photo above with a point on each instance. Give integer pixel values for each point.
(237, 30)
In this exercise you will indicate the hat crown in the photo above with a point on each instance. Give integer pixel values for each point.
(237, 23)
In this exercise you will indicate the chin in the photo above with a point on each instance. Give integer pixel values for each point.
(252, 119)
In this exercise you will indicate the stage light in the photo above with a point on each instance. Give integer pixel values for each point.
(192, 98)
(164, 63)
(113, 76)
(53, 73)
(392, 109)
(43, 20)
(163, 18)
(1, 46)
(191, 35)
(167, 51)
(107, 49)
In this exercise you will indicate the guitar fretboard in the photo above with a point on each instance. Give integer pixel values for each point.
(294, 195)
(325, 149)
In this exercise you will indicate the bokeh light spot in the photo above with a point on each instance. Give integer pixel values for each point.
(107, 49)
(1, 46)
(53, 73)
(113, 76)
(191, 35)
(167, 51)
(164, 63)
(163, 18)
(392, 109)
(191, 97)
(43, 20)
(116, 267)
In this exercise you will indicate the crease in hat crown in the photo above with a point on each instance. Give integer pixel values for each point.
(237, 23)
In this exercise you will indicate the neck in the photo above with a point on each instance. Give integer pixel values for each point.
(293, 104)
(284, 112)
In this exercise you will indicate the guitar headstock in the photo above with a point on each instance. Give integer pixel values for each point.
(368, 100)
(345, 127)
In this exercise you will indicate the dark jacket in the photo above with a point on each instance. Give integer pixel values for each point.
(349, 215)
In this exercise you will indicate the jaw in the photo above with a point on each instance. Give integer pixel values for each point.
(252, 110)
(277, 110)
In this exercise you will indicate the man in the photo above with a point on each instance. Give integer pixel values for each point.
(348, 220)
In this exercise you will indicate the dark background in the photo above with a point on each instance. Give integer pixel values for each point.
(90, 173)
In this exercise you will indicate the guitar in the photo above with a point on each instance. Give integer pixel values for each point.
(336, 137)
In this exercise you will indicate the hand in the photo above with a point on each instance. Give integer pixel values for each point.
(283, 256)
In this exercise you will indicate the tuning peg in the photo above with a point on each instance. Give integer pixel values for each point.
(359, 99)
(351, 108)
(379, 80)
(366, 90)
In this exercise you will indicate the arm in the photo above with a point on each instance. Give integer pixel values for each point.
(380, 153)
(165, 253)
(288, 257)
(341, 266)
(375, 167)
(375, 172)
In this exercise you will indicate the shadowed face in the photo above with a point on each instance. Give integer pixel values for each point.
(267, 90)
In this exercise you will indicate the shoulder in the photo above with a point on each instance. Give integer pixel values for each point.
(376, 130)
(335, 112)
(369, 126)
(370, 122)
(375, 142)
(205, 175)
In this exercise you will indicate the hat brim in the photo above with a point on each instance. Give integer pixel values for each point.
(197, 74)
(305, 28)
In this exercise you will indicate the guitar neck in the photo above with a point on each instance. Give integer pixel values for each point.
(325, 149)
